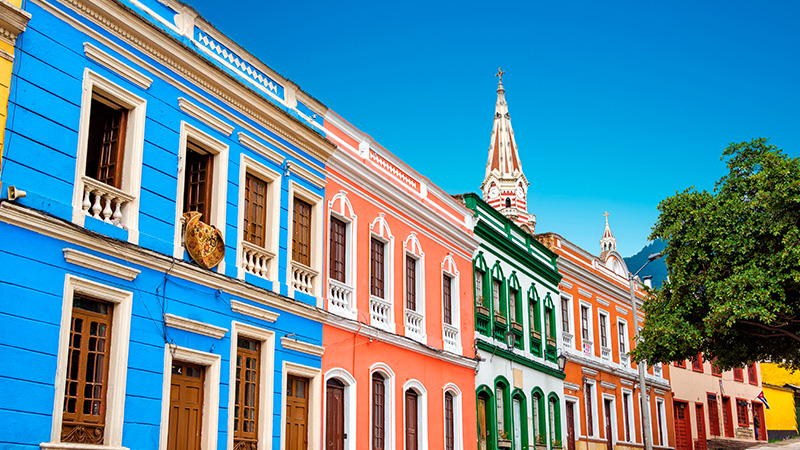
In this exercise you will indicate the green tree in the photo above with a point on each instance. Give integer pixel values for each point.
(733, 258)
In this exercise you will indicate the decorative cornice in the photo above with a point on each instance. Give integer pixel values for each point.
(584, 293)
(588, 371)
(117, 66)
(571, 386)
(253, 311)
(205, 117)
(302, 347)
(105, 266)
(261, 149)
(194, 326)
(621, 310)
(535, 365)
(592, 366)
(608, 385)
(33, 220)
(13, 21)
(306, 174)
(626, 382)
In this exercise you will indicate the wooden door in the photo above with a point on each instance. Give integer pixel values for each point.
(727, 416)
(701, 426)
(482, 433)
(609, 433)
(412, 426)
(334, 405)
(185, 406)
(713, 415)
(570, 426)
(683, 430)
(296, 413)
(759, 422)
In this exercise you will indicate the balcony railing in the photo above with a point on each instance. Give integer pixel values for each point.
(624, 359)
(413, 324)
(255, 259)
(605, 352)
(303, 278)
(567, 338)
(339, 296)
(657, 370)
(380, 312)
(104, 202)
(450, 337)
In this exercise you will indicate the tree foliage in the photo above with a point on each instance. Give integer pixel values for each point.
(733, 258)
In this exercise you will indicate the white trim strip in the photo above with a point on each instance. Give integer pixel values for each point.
(303, 347)
(194, 326)
(120, 68)
(253, 311)
(205, 116)
(105, 266)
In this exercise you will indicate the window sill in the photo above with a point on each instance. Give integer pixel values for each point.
(76, 446)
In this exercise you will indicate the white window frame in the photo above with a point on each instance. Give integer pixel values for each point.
(219, 185)
(663, 432)
(458, 438)
(213, 363)
(569, 335)
(412, 248)
(341, 208)
(117, 363)
(379, 229)
(422, 412)
(449, 268)
(132, 158)
(315, 258)
(388, 406)
(631, 418)
(614, 421)
(272, 222)
(593, 410)
(590, 327)
(350, 403)
(314, 423)
(624, 323)
(266, 373)
(576, 416)
(603, 317)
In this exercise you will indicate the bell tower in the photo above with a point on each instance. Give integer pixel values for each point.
(505, 187)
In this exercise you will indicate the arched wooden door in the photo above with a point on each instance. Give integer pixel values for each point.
(334, 415)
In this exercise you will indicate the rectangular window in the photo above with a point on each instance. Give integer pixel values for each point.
(681, 363)
(741, 413)
(752, 376)
(585, 323)
(87, 371)
(378, 412)
(715, 371)
(738, 374)
(603, 330)
(449, 423)
(479, 288)
(255, 210)
(501, 418)
(697, 363)
(589, 410)
(106, 145)
(496, 296)
(512, 301)
(447, 299)
(301, 226)
(338, 246)
(623, 338)
(245, 412)
(376, 268)
(411, 283)
(533, 314)
(660, 412)
(564, 315)
(198, 181)
(626, 398)
(548, 323)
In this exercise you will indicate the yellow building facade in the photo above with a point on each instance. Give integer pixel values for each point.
(13, 21)
(782, 390)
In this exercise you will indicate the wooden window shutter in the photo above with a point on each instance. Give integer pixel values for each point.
(301, 242)
(106, 144)
(255, 210)
(338, 249)
(411, 283)
(378, 412)
(447, 299)
(245, 413)
(449, 422)
(198, 182)
(376, 268)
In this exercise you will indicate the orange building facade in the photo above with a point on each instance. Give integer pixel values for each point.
(399, 365)
(601, 388)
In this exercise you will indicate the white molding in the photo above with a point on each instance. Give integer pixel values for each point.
(602, 301)
(251, 143)
(99, 264)
(117, 360)
(316, 249)
(253, 311)
(458, 415)
(588, 371)
(350, 405)
(302, 347)
(120, 68)
(74, 446)
(13, 21)
(292, 166)
(194, 326)
(566, 284)
(584, 293)
(206, 117)
(210, 414)
(622, 311)
(608, 385)
(390, 416)
(422, 411)
(571, 386)
(315, 390)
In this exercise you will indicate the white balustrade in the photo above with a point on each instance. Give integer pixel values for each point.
(255, 259)
(380, 312)
(587, 348)
(413, 323)
(104, 202)
(605, 352)
(339, 295)
(567, 339)
(624, 359)
(450, 337)
(303, 278)
(657, 370)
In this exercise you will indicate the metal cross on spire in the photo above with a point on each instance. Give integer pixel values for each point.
(499, 74)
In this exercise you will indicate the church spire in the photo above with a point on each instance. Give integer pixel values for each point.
(504, 186)
(608, 242)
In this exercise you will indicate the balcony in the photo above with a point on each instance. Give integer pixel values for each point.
(567, 339)
(380, 312)
(339, 298)
(657, 371)
(413, 323)
(256, 260)
(104, 202)
(303, 278)
(605, 352)
(451, 338)
(624, 359)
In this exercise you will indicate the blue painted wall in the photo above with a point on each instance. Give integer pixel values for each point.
(40, 157)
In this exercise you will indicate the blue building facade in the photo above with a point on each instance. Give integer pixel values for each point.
(123, 116)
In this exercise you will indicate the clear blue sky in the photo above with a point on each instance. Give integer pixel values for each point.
(615, 105)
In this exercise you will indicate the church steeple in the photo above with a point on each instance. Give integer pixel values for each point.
(505, 187)
(608, 243)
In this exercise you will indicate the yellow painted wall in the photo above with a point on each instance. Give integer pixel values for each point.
(781, 412)
(5, 85)
(774, 375)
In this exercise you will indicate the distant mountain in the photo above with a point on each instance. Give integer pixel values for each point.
(657, 268)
